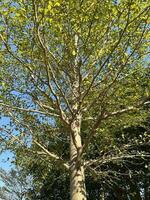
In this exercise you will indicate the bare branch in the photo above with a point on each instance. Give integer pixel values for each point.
(52, 155)
(108, 159)
(130, 108)
(45, 151)
(28, 110)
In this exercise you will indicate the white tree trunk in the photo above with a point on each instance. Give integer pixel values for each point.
(77, 178)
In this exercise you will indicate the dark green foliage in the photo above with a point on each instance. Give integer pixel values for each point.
(128, 178)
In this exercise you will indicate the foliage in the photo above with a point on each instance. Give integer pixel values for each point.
(15, 185)
(123, 179)
(72, 70)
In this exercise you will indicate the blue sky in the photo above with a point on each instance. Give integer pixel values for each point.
(5, 160)
(5, 157)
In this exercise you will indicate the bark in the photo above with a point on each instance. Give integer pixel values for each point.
(77, 178)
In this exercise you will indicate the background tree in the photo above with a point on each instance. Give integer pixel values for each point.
(15, 185)
(73, 68)
(128, 178)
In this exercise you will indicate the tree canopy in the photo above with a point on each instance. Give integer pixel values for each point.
(72, 74)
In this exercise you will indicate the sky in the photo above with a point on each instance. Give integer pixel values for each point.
(5, 160)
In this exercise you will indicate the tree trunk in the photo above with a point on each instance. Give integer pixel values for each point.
(77, 178)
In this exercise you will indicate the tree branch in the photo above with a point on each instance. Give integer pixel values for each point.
(28, 110)
(107, 59)
(108, 159)
(105, 116)
(52, 155)
(48, 66)
(130, 108)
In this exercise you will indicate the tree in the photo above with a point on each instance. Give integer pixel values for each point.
(115, 180)
(15, 185)
(76, 68)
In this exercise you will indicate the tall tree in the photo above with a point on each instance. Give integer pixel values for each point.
(15, 185)
(123, 179)
(76, 68)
